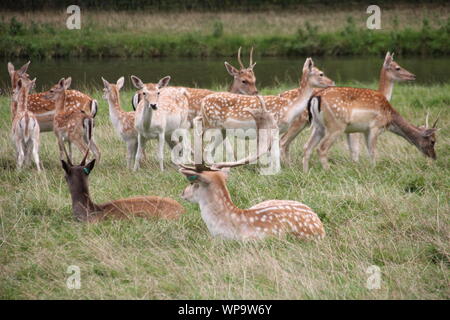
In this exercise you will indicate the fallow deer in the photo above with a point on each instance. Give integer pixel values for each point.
(122, 121)
(161, 111)
(225, 110)
(25, 127)
(367, 111)
(85, 210)
(270, 218)
(71, 125)
(244, 82)
(43, 109)
(390, 72)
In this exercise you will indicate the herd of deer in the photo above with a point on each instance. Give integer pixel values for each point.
(159, 110)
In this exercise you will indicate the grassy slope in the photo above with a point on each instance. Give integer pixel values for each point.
(394, 215)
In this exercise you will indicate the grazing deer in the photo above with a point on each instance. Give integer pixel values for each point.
(244, 82)
(223, 219)
(390, 72)
(161, 111)
(122, 121)
(227, 111)
(347, 110)
(71, 125)
(25, 127)
(43, 109)
(85, 210)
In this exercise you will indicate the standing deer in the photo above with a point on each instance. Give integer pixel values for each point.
(225, 110)
(223, 219)
(161, 111)
(348, 110)
(85, 210)
(122, 121)
(244, 82)
(25, 127)
(390, 72)
(43, 109)
(71, 125)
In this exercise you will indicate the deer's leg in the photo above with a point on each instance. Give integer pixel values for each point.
(131, 152)
(296, 127)
(140, 148)
(69, 144)
(93, 147)
(325, 145)
(20, 153)
(353, 145)
(36, 153)
(371, 142)
(81, 145)
(161, 142)
(61, 148)
(316, 135)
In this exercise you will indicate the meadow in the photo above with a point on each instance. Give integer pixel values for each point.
(330, 31)
(394, 215)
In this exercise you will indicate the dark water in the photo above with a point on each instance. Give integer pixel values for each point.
(209, 72)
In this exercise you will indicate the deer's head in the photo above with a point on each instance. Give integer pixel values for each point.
(58, 89)
(314, 77)
(394, 71)
(15, 75)
(427, 139)
(148, 93)
(111, 91)
(244, 79)
(23, 87)
(202, 183)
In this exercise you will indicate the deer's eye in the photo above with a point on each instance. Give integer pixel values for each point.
(398, 68)
(244, 81)
(321, 74)
(159, 93)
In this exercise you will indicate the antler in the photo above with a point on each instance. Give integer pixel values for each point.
(426, 120)
(67, 155)
(437, 119)
(239, 58)
(251, 59)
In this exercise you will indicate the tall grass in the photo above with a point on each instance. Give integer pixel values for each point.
(394, 215)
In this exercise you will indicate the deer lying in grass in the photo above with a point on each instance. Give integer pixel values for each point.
(43, 109)
(85, 210)
(244, 82)
(390, 72)
(226, 110)
(338, 110)
(158, 115)
(25, 127)
(71, 125)
(270, 218)
(122, 121)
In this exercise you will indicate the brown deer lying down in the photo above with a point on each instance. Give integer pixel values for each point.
(85, 210)
(269, 218)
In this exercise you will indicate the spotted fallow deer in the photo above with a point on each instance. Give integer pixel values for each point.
(43, 109)
(225, 110)
(270, 218)
(25, 127)
(348, 110)
(85, 210)
(244, 82)
(390, 72)
(161, 111)
(122, 121)
(71, 125)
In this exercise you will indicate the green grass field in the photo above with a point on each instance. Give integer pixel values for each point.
(394, 215)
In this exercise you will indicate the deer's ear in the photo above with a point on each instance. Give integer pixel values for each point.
(106, 84)
(67, 83)
(61, 83)
(163, 82)
(429, 132)
(120, 83)
(65, 166)
(88, 168)
(309, 64)
(10, 68)
(32, 84)
(192, 175)
(231, 70)
(387, 60)
(24, 68)
(137, 83)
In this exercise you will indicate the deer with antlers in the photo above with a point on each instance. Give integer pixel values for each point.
(390, 72)
(85, 210)
(227, 111)
(161, 111)
(244, 82)
(43, 109)
(70, 125)
(348, 110)
(122, 121)
(25, 127)
(270, 218)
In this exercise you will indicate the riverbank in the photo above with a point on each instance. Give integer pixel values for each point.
(124, 34)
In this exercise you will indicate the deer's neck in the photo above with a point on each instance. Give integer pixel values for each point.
(114, 108)
(403, 128)
(60, 101)
(21, 104)
(298, 104)
(83, 208)
(234, 88)
(386, 84)
(145, 119)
